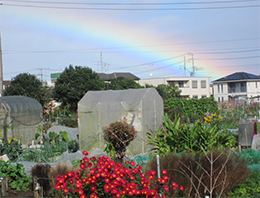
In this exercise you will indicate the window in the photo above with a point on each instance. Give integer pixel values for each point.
(203, 96)
(221, 88)
(194, 84)
(195, 97)
(218, 88)
(181, 84)
(235, 87)
(222, 99)
(218, 99)
(255, 84)
(203, 84)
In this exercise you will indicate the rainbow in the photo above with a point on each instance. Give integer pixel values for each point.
(126, 46)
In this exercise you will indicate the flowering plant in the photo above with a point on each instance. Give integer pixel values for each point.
(103, 177)
(214, 118)
(11, 147)
(118, 136)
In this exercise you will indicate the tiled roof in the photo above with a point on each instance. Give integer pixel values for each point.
(238, 76)
(109, 77)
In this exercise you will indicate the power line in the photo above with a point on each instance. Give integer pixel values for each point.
(248, 57)
(128, 47)
(138, 4)
(134, 9)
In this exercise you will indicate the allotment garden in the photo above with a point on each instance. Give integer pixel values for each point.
(195, 153)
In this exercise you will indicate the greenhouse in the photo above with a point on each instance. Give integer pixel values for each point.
(19, 117)
(142, 108)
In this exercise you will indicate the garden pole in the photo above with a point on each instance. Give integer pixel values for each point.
(158, 165)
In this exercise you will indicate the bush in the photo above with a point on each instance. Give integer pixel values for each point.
(180, 137)
(11, 147)
(118, 136)
(40, 171)
(103, 177)
(195, 172)
(190, 110)
(58, 169)
(17, 177)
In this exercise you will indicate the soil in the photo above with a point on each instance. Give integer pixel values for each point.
(21, 194)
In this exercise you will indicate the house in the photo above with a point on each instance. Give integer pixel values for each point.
(191, 87)
(6, 83)
(236, 86)
(109, 77)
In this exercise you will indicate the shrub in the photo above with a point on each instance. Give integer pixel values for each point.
(180, 137)
(58, 169)
(19, 181)
(103, 177)
(190, 109)
(118, 136)
(11, 147)
(40, 171)
(203, 174)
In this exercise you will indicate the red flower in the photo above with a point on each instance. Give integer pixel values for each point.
(174, 185)
(165, 178)
(93, 188)
(65, 190)
(85, 153)
(85, 160)
(166, 188)
(164, 172)
(93, 158)
(132, 163)
(82, 166)
(80, 192)
(153, 192)
(83, 196)
(89, 165)
(181, 188)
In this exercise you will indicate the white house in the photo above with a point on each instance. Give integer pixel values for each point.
(191, 87)
(236, 86)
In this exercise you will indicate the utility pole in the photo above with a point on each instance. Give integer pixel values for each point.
(1, 68)
(184, 66)
(101, 62)
(42, 73)
(192, 73)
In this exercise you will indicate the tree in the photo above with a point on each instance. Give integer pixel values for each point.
(29, 85)
(74, 83)
(121, 83)
(168, 91)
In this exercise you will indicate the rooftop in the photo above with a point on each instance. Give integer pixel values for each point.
(238, 76)
(109, 77)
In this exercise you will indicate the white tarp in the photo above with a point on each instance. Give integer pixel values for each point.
(143, 108)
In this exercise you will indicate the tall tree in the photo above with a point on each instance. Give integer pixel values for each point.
(121, 83)
(74, 83)
(29, 85)
(168, 91)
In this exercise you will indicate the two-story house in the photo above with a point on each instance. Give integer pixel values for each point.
(236, 86)
(191, 87)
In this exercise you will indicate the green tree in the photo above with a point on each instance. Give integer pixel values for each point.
(74, 83)
(29, 85)
(168, 91)
(121, 83)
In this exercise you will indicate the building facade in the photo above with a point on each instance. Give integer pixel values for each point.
(191, 87)
(236, 86)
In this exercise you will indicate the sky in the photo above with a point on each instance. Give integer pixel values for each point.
(149, 38)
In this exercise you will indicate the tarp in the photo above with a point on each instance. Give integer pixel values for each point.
(19, 116)
(142, 108)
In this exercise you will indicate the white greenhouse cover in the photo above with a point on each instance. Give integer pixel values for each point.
(142, 108)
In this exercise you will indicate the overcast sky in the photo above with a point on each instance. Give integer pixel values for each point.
(148, 38)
